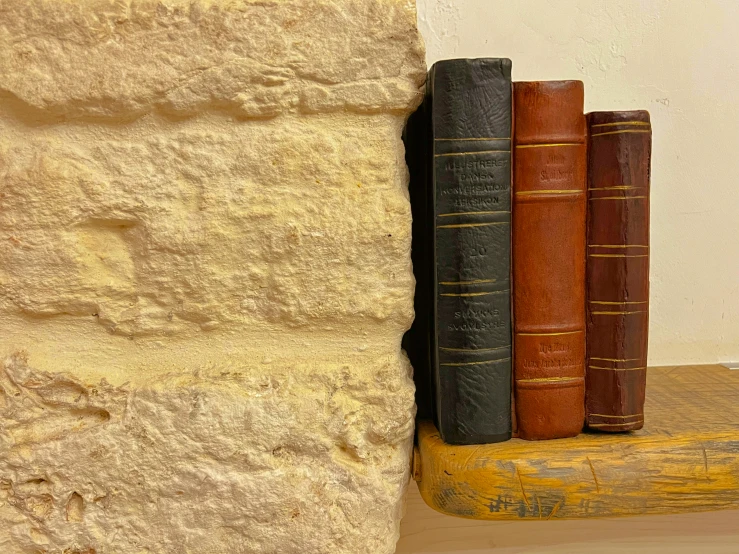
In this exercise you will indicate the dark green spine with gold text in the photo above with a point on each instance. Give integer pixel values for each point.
(469, 218)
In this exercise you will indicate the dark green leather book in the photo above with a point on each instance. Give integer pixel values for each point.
(466, 237)
(416, 341)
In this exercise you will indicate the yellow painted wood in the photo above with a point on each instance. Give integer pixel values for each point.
(686, 459)
(425, 531)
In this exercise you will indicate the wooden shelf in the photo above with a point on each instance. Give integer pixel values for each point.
(425, 531)
(686, 459)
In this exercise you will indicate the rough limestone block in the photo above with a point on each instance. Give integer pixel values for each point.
(204, 275)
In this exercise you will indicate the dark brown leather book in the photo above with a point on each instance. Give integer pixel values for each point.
(549, 208)
(619, 154)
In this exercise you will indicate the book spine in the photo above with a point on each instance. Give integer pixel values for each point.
(549, 208)
(471, 214)
(619, 154)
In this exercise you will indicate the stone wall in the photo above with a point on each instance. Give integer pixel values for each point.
(205, 275)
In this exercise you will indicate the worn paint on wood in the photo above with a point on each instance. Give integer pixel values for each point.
(425, 531)
(685, 459)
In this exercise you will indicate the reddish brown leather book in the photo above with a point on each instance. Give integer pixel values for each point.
(620, 145)
(549, 258)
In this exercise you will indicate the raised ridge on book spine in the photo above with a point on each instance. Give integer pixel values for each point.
(471, 213)
(549, 204)
(619, 155)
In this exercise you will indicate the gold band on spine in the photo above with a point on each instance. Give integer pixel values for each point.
(619, 313)
(472, 225)
(615, 359)
(473, 293)
(474, 213)
(616, 416)
(615, 123)
(618, 255)
(469, 153)
(549, 191)
(622, 131)
(617, 368)
(617, 246)
(616, 424)
(548, 334)
(474, 282)
(549, 145)
(616, 197)
(476, 363)
(447, 349)
(617, 303)
(616, 188)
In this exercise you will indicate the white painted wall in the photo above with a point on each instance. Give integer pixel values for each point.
(678, 59)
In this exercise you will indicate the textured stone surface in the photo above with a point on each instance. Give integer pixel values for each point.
(204, 275)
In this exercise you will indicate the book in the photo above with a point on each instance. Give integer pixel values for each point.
(416, 342)
(619, 154)
(469, 104)
(549, 207)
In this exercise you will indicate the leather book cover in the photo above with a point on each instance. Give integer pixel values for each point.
(470, 211)
(619, 155)
(549, 207)
(416, 342)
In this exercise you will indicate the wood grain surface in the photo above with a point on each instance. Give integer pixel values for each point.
(685, 459)
(424, 531)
